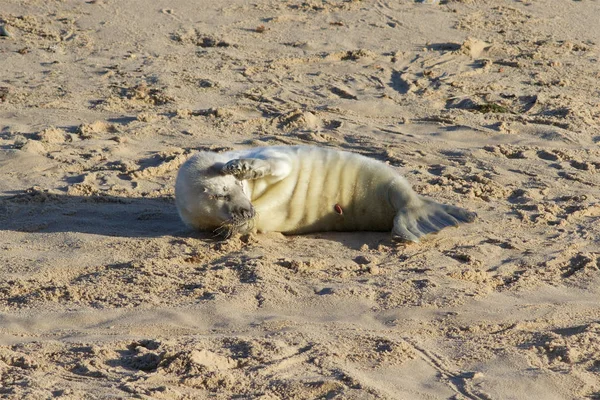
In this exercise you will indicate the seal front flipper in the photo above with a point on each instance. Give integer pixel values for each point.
(412, 223)
(247, 168)
(264, 163)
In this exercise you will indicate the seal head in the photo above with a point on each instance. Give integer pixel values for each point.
(209, 200)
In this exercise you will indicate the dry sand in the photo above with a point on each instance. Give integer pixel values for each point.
(492, 105)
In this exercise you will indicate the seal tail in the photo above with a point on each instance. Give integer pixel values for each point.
(429, 217)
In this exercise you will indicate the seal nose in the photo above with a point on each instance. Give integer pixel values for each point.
(248, 212)
(245, 212)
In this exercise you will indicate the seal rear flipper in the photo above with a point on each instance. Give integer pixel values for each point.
(411, 224)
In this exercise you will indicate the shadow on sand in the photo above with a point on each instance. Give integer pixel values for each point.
(43, 212)
(37, 211)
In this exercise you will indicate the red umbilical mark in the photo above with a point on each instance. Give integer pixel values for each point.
(338, 209)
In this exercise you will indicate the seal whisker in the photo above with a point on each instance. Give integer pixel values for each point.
(223, 230)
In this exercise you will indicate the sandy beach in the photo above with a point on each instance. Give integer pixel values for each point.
(490, 105)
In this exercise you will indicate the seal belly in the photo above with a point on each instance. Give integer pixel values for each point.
(321, 181)
(358, 187)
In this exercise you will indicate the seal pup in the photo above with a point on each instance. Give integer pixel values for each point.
(302, 189)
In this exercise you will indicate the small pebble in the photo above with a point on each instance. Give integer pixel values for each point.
(363, 260)
(4, 31)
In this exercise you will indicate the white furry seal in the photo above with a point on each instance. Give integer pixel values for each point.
(301, 189)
